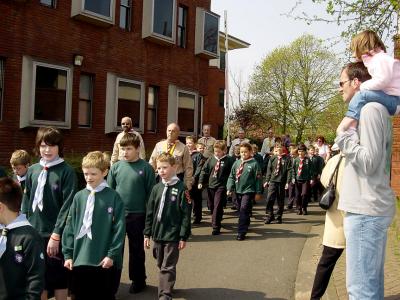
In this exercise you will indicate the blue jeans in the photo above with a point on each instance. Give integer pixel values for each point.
(365, 255)
(363, 97)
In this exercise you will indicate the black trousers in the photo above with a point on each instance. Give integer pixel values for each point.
(134, 229)
(303, 191)
(196, 196)
(88, 282)
(276, 191)
(324, 271)
(245, 205)
(316, 189)
(216, 202)
(292, 195)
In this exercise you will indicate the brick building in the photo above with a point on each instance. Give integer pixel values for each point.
(81, 65)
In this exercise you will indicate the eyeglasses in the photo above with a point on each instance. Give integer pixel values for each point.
(341, 83)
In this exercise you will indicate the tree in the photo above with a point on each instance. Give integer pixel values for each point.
(381, 16)
(295, 84)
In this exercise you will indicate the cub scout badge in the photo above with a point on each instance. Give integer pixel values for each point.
(18, 258)
(110, 210)
(187, 196)
(18, 248)
(174, 194)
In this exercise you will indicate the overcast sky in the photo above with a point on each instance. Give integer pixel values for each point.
(262, 24)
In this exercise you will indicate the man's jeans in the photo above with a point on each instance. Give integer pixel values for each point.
(365, 255)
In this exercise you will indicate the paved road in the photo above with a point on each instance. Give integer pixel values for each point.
(264, 266)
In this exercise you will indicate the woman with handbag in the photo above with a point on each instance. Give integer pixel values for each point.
(333, 240)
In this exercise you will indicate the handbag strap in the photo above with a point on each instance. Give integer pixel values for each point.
(335, 171)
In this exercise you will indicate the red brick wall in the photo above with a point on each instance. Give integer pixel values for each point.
(53, 36)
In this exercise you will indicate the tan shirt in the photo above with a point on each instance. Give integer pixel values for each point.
(209, 143)
(333, 232)
(117, 155)
(182, 156)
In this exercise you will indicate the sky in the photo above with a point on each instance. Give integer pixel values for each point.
(262, 24)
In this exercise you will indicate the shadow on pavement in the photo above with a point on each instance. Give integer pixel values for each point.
(219, 293)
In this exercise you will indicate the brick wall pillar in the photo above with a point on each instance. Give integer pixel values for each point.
(396, 133)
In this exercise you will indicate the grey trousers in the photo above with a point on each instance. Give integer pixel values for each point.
(167, 255)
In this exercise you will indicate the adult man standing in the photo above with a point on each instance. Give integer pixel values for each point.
(366, 196)
(268, 143)
(207, 140)
(177, 149)
(240, 139)
(126, 124)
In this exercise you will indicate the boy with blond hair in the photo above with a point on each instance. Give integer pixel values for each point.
(167, 222)
(93, 238)
(20, 161)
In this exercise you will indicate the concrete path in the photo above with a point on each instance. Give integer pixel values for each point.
(264, 266)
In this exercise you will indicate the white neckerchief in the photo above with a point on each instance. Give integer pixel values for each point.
(38, 199)
(86, 227)
(173, 181)
(19, 178)
(18, 222)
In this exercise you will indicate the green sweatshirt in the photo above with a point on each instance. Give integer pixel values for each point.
(175, 220)
(59, 190)
(319, 164)
(249, 182)
(207, 172)
(285, 169)
(108, 229)
(307, 172)
(22, 265)
(133, 181)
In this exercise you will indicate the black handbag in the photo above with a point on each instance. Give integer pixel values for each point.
(329, 194)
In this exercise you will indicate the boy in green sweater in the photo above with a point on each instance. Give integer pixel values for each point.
(215, 172)
(93, 238)
(246, 180)
(50, 187)
(302, 173)
(20, 161)
(21, 248)
(167, 222)
(133, 178)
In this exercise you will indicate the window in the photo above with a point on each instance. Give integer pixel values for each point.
(85, 100)
(207, 34)
(124, 97)
(1, 86)
(125, 13)
(159, 20)
(182, 26)
(221, 98)
(200, 115)
(50, 3)
(100, 12)
(186, 111)
(152, 104)
(46, 91)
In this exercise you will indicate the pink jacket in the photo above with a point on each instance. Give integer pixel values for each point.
(385, 73)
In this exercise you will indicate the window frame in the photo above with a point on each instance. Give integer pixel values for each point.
(181, 40)
(199, 38)
(128, 16)
(148, 23)
(91, 92)
(195, 121)
(52, 5)
(68, 96)
(78, 10)
(155, 109)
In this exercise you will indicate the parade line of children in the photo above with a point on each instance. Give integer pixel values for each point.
(60, 241)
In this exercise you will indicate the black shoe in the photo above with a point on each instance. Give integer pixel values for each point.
(240, 237)
(279, 220)
(305, 212)
(300, 212)
(289, 207)
(137, 288)
(216, 232)
(196, 221)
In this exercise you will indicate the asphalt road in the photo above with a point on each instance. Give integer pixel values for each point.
(264, 266)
